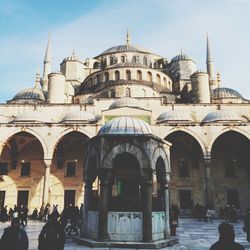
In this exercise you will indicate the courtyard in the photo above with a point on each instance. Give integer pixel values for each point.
(193, 235)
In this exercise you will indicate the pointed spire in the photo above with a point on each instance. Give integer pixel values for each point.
(218, 79)
(38, 78)
(128, 38)
(209, 61)
(47, 65)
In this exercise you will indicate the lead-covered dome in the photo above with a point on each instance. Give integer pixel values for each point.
(222, 116)
(29, 95)
(125, 126)
(175, 116)
(33, 116)
(125, 102)
(73, 57)
(220, 93)
(79, 117)
(180, 57)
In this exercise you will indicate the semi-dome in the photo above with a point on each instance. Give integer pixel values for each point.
(32, 116)
(79, 116)
(125, 126)
(222, 116)
(125, 102)
(34, 94)
(219, 93)
(175, 116)
(180, 57)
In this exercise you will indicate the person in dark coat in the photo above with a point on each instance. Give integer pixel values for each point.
(247, 224)
(14, 237)
(52, 236)
(226, 240)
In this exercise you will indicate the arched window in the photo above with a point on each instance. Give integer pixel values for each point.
(106, 76)
(128, 92)
(158, 79)
(123, 59)
(117, 75)
(111, 60)
(149, 77)
(144, 92)
(134, 59)
(165, 81)
(97, 78)
(96, 65)
(145, 61)
(128, 75)
(139, 75)
(112, 93)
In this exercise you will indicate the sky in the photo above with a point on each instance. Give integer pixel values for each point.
(92, 26)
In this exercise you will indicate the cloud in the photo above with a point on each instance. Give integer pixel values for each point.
(161, 26)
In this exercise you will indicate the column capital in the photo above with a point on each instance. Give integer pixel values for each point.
(207, 159)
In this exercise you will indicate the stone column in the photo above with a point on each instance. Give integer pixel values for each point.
(47, 164)
(105, 177)
(166, 208)
(208, 186)
(147, 206)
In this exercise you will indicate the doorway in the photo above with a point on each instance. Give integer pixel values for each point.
(22, 198)
(233, 197)
(186, 201)
(69, 197)
(2, 198)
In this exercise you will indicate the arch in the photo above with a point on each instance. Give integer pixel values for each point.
(240, 131)
(112, 93)
(145, 61)
(139, 75)
(192, 134)
(149, 76)
(30, 131)
(96, 65)
(128, 92)
(128, 75)
(123, 58)
(158, 78)
(134, 59)
(106, 76)
(159, 152)
(117, 75)
(126, 148)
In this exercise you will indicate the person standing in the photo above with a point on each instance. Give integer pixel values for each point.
(14, 237)
(52, 236)
(247, 224)
(226, 240)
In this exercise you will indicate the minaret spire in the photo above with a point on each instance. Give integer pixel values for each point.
(47, 65)
(210, 66)
(128, 38)
(37, 79)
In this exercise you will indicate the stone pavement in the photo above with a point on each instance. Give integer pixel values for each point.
(193, 235)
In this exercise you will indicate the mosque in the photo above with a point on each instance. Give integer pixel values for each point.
(126, 125)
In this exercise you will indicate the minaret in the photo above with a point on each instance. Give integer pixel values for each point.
(209, 61)
(128, 38)
(38, 78)
(47, 66)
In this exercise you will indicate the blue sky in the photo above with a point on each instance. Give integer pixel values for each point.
(91, 26)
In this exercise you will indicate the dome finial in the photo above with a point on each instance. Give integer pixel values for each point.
(128, 37)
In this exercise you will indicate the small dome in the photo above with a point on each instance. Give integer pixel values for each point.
(125, 102)
(175, 116)
(180, 57)
(79, 116)
(32, 116)
(222, 116)
(73, 57)
(124, 48)
(29, 95)
(125, 126)
(225, 93)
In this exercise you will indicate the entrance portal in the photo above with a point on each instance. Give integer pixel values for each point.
(186, 199)
(2, 198)
(22, 198)
(233, 197)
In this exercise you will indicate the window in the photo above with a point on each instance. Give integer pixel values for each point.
(71, 168)
(3, 168)
(158, 79)
(134, 59)
(183, 168)
(145, 61)
(128, 92)
(128, 75)
(25, 169)
(139, 75)
(123, 59)
(112, 93)
(117, 75)
(106, 76)
(96, 65)
(111, 60)
(144, 92)
(149, 77)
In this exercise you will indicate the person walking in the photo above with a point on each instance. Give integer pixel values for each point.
(247, 224)
(52, 236)
(14, 237)
(226, 240)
